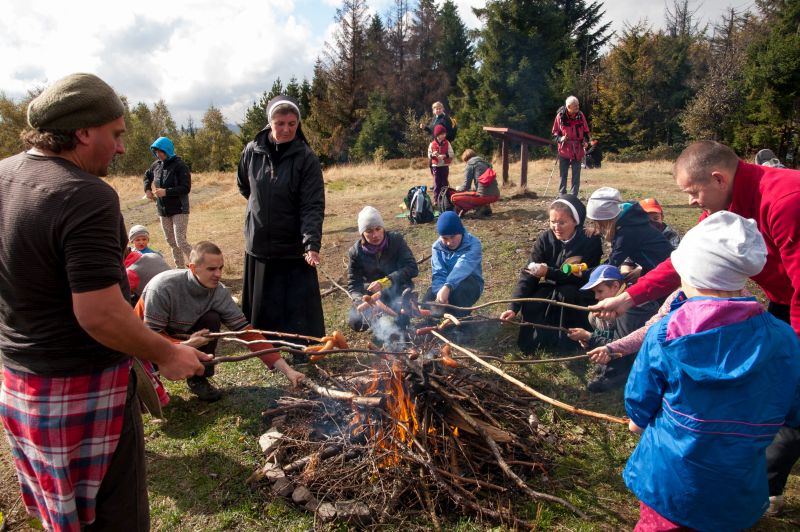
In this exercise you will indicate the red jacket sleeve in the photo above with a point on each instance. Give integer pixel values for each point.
(270, 358)
(659, 282)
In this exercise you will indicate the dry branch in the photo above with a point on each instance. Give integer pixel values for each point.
(522, 385)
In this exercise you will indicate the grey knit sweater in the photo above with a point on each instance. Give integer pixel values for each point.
(174, 300)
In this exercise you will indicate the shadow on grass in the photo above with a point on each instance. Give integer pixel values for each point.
(188, 418)
(204, 483)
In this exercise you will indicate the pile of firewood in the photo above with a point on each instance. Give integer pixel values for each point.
(395, 436)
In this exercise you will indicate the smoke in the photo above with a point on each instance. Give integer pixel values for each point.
(386, 331)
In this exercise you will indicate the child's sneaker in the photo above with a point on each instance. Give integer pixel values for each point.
(775, 505)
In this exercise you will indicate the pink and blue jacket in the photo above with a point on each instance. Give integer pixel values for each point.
(713, 383)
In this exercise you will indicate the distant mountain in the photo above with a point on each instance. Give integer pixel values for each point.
(233, 127)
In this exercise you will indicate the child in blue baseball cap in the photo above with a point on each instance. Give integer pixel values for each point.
(607, 281)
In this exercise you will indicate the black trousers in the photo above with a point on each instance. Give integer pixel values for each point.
(210, 320)
(465, 294)
(784, 451)
(122, 498)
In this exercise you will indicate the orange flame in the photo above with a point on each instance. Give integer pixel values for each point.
(401, 408)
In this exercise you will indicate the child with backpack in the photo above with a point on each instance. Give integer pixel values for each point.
(440, 154)
(479, 172)
(712, 385)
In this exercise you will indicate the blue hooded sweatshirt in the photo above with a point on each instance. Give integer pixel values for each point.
(712, 384)
(450, 267)
(165, 145)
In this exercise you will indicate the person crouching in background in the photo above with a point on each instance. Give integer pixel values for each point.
(476, 172)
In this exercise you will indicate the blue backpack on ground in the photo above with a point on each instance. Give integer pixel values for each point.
(420, 207)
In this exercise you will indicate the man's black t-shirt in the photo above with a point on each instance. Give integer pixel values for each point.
(61, 231)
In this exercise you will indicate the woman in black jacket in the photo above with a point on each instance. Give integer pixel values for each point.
(173, 182)
(381, 267)
(282, 180)
(564, 242)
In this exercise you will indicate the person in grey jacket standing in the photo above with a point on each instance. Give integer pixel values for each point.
(173, 182)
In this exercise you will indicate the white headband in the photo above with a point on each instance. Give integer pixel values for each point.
(571, 207)
(281, 102)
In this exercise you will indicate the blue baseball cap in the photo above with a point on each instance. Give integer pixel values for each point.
(606, 272)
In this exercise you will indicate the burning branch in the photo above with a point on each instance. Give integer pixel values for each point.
(522, 385)
(339, 395)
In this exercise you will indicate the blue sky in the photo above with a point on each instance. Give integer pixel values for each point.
(194, 53)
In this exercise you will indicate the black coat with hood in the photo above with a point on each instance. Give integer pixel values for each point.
(637, 239)
(285, 197)
(554, 252)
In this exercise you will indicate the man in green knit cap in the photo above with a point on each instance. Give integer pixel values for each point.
(67, 332)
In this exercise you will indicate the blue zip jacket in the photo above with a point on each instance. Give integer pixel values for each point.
(710, 402)
(451, 267)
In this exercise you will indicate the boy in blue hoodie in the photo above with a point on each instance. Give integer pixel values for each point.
(456, 257)
(712, 384)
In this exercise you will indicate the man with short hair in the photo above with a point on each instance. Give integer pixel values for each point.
(67, 333)
(715, 180)
(194, 301)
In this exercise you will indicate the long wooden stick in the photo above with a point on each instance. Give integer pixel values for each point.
(514, 300)
(529, 361)
(254, 354)
(262, 333)
(522, 385)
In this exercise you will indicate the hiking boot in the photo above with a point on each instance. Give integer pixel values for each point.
(483, 211)
(204, 390)
(775, 506)
(607, 380)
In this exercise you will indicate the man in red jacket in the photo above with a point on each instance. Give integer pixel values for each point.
(715, 179)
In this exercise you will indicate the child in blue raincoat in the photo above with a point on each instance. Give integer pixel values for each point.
(712, 384)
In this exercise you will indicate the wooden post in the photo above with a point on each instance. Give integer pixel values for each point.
(523, 180)
(504, 151)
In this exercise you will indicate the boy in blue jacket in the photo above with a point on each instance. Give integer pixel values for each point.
(456, 256)
(712, 384)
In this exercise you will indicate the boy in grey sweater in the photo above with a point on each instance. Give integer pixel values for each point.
(194, 302)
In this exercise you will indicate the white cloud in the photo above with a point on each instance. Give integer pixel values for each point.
(193, 53)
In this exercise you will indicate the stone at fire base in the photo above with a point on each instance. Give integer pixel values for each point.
(282, 487)
(273, 472)
(353, 511)
(270, 440)
(301, 495)
(326, 511)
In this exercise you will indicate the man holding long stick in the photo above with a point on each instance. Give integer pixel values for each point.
(67, 333)
(715, 180)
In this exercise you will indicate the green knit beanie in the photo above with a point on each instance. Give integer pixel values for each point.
(74, 102)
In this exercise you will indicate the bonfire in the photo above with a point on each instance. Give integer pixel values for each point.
(407, 428)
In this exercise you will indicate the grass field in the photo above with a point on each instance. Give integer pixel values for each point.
(199, 458)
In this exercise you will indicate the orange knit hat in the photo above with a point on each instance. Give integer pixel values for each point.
(651, 205)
